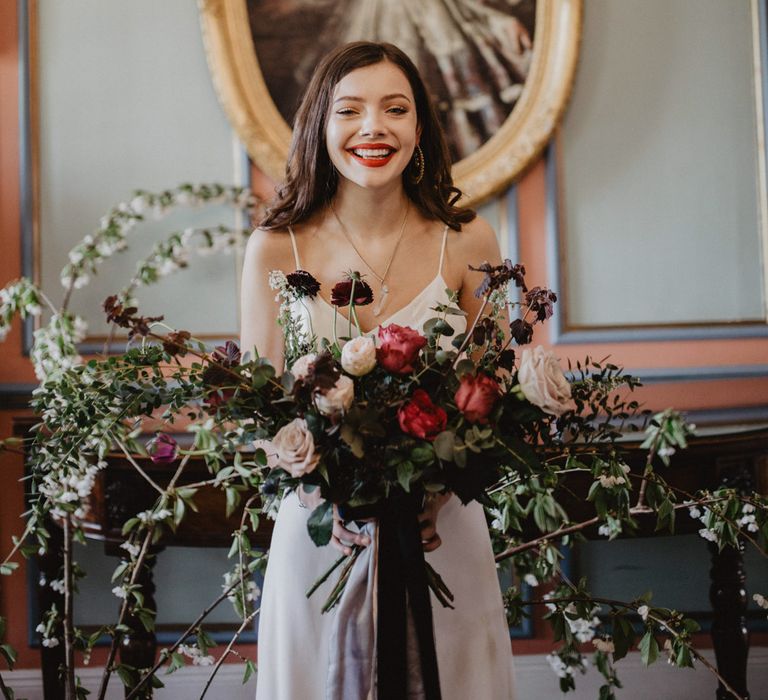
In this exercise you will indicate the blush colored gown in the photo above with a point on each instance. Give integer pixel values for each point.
(472, 641)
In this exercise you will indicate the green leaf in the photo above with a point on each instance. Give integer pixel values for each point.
(443, 445)
(250, 669)
(623, 637)
(9, 654)
(320, 524)
(404, 474)
(649, 648)
(8, 568)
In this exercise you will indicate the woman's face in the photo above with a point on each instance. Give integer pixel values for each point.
(372, 128)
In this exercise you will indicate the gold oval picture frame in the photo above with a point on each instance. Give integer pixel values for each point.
(505, 154)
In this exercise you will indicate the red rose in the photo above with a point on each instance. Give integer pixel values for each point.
(398, 348)
(420, 417)
(476, 397)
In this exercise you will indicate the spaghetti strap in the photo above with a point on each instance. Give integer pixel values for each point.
(442, 250)
(295, 249)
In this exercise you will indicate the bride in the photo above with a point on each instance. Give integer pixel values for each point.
(368, 188)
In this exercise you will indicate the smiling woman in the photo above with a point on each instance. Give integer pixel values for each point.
(368, 187)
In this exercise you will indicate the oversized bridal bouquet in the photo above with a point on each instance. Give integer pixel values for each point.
(397, 421)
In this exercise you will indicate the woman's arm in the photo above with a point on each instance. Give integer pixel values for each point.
(265, 251)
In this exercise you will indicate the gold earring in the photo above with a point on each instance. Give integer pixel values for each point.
(418, 163)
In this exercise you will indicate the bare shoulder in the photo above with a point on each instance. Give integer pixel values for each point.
(477, 242)
(270, 250)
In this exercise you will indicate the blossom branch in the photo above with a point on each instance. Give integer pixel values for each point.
(228, 650)
(168, 651)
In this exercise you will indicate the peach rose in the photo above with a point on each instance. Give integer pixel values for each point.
(543, 383)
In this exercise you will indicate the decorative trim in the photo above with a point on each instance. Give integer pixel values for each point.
(244, 95)
(533, 679)
(561, 334)
(28, 179)
(664, 375)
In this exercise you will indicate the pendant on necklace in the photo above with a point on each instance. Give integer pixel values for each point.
(384, 291)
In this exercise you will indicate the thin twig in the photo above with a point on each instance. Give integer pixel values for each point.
(136, 466)
(6, 690)
(69, 650)
(226, 652)
(167, 652)
(123, 612)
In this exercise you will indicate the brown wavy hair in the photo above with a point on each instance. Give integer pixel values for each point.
(311, 179)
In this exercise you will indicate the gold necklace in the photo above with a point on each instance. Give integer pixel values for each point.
(384, 288)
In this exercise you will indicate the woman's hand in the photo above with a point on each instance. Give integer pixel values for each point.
(430, 540)
(343, 539)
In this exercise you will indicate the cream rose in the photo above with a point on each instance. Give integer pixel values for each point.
(338, 398)
(295, 448)
(300, 368)
(543, 383)
(358, 356)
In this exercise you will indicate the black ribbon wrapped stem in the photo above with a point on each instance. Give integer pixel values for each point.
(402, 583)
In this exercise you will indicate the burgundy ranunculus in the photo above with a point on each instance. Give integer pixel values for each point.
(341, 294)
(303, 284)
(476, 397)
(421, 418)
(399, 348)
(162, 449)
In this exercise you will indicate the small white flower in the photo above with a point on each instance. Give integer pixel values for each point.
(531, 580)
(760, 600)
(40, 628)
(120, 592)
(708, 534)
(748, 508)
(666, 451)
(138, 204)
(643, 611)
(57, 585)
(50, 642)
(604, 530)
(694, 512)
(132, 549)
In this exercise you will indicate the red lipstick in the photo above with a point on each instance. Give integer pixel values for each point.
(376, 161)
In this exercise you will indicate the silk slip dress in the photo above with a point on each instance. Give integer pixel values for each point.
(472, 641)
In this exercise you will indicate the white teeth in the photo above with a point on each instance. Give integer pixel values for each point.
(372, 152)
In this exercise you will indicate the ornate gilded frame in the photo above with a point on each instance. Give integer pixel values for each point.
(249, 106)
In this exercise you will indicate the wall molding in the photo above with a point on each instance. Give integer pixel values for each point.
(561, 335)
(535, 680)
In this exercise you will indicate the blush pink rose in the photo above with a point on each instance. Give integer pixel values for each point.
(399, 348)
(476, 397)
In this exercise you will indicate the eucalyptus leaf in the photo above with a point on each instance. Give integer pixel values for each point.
(320, 524)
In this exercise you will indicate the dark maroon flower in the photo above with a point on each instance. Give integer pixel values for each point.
(521, 331)
(541, 301)
(497, 276)
(342, 292)
(227, 354)
(176, 343)
(162, 449)
(303, 284)
(421, 418)
(126, 317)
